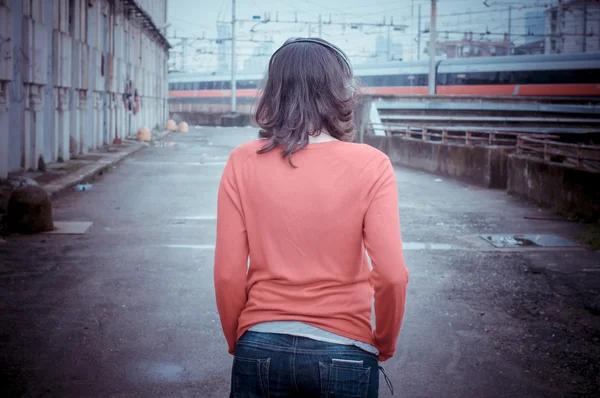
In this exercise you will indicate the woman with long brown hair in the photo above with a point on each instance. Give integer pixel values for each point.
(298, 211)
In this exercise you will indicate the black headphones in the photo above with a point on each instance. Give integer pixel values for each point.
(317, 41)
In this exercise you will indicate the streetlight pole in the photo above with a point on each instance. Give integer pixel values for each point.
(432, 48)
(233, 60)
(585, 4)
(509, 48)
(419, 35)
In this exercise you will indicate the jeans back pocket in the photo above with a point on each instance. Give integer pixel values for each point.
(341, 380)
(250, 378)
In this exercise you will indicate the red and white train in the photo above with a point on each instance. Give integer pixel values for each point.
(568, 75)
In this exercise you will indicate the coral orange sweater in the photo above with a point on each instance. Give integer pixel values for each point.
(307, 231)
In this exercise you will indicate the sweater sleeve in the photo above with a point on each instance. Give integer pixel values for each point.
(231, 256)
(389, 275)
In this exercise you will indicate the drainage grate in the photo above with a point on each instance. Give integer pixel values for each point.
(527, 240)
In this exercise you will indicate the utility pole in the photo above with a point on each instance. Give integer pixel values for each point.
(509, 48)
(233, 59)
(184, 43)
(585, 3)
(419, 36)
(320, 25)
(432, 48)
(389, 43)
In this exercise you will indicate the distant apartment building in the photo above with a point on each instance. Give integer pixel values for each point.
(573, 27)
(469, 47)
(224, 47)
(385, 53)
(259, 60)
(535, 26)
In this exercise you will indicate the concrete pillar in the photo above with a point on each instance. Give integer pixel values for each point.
(113, 118)
(48, 49)
(56, 127)
(34, 126)
(99, 119)
(75, 123)
(6, 75)
(4, 138)
(83, 121)
(64, 124)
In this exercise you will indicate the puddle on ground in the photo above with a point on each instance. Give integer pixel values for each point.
(160, 371)
(426, 246)
(526, 240)
(166, 144)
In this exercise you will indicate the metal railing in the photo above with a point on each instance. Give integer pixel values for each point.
(576, 155)
(446, 135)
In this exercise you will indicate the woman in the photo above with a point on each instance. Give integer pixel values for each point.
(297, 211)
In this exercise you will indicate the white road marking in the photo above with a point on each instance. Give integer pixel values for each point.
(405, 246)
(197, 247)
(420, 246)
(206, 217)
(154, 163)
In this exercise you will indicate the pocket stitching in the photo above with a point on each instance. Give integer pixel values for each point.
(326, 368)
(261, 363)
(265, 363)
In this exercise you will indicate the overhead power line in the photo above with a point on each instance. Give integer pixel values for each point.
(519, 35)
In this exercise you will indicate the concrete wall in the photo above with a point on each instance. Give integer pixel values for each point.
(209, 119)
(221, 107)
(64, 69)
(555, 185)
(480, 165)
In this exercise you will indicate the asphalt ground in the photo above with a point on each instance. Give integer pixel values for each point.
(127, 309)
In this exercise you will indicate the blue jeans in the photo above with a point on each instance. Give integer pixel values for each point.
(279, 365)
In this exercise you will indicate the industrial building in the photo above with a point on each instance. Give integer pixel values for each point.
(78, 74)
(572, 27)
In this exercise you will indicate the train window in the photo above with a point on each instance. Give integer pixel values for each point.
(248, 84)
(171, 86)
(197, 85)
(226, 85)
(188, 86)
(217, 86)
(210, 85)
(396, 81)
(583, 76)
(201, 85)
(587, 76)
(370, 81)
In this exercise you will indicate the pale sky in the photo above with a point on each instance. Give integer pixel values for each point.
(194, 18)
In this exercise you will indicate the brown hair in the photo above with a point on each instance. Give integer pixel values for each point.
(309, 88)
